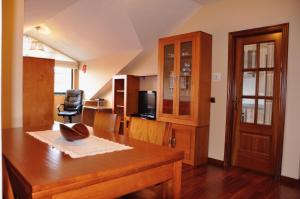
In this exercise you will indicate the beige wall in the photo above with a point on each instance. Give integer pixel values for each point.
(12, 63)
(219, 19)
(101, 70)
(144, 64)
(148, 83)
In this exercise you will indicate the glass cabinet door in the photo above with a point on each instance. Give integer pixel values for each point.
(185, 78)
(168, 79)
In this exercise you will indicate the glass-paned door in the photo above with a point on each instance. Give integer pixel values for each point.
(185, 77)
(169, 78)
(257, 108)
(258, 83)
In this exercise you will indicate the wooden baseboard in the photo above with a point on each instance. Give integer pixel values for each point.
(290, 181)
(216, 162)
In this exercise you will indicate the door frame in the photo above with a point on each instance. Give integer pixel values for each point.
(231, 93)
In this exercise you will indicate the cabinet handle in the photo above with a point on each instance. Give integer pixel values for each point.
(173, 142)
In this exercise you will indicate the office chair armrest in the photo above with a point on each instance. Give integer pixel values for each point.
(78, 108)
(58, 107)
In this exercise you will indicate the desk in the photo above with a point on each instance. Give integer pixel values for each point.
(88, 113)
(40, 171)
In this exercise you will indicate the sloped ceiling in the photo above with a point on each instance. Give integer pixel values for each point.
(38, 11)
(99, 31)
(87, 29)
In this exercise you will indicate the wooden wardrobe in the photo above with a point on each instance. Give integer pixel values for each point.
(38, 93)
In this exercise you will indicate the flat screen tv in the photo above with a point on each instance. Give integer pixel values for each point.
(147, 104)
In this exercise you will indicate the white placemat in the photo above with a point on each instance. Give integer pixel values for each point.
(86, 147)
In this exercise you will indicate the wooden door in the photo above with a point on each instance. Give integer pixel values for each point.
(258, 72)
(38, 93)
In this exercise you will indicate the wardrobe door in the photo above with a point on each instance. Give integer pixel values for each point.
(38, 93)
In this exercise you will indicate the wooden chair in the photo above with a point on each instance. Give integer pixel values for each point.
(7, 187)
(148, 130)
(88, 116)
(154, 132)
(107, 121)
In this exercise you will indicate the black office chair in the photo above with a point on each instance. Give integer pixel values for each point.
(72, 104)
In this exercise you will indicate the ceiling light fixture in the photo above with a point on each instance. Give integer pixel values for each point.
(36, 45)
(40, 29)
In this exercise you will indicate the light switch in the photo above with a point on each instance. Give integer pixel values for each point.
(216, 77)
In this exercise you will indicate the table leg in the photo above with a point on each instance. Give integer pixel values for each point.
(172, 188)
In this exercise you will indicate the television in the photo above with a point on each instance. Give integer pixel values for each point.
(147, 104)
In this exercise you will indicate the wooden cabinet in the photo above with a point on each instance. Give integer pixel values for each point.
(184, 79)
(125, 97)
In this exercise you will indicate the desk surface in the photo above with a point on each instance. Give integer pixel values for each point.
(45, 170)
(98, 107)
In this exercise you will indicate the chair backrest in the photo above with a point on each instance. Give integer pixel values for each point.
(107, 121)
(88, 116)
(148, 130)
(73, 98)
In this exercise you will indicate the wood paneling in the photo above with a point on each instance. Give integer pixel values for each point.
(38, 93)
(256, 143)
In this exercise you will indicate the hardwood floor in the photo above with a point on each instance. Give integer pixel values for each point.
(212, 182)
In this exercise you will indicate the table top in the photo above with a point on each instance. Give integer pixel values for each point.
(43, 167)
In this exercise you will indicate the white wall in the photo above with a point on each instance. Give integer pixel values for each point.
(226, 16)
(12, 63)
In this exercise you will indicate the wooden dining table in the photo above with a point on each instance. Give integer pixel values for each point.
(38, 170)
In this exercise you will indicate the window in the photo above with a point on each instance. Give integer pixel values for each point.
(62, 79)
